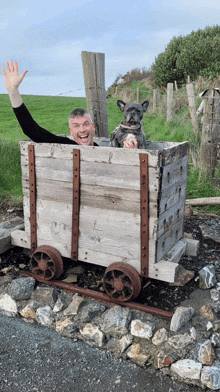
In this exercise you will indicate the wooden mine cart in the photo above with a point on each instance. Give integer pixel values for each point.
(118, 208)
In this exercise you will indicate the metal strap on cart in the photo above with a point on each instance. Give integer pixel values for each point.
(144, 205)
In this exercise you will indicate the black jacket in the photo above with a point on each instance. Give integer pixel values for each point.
(35, 132)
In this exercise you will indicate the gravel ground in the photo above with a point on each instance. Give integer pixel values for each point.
(36, 359)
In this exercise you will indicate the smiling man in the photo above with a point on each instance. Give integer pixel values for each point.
(81, 126)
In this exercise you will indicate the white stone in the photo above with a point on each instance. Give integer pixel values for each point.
(93, 333)
(207, 277)
(180, 341)
(116, 321)
(134, 353)
(59, 305)
(142, 330)
(215, 294)
(160, 337)
(73, 307)
(209, 325)
(8, 304)
(210, 377)
(215, 339)
(206, 353)
(44, 315)
(125, 342)
(187, 368)
(29, 311)
(61, 325)
(193, 333)
(181, 317)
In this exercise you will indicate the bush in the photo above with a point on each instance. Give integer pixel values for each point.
(195, 54)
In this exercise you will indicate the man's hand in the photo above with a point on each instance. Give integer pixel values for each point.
(12, 78)
(130, 143)
(12, 82)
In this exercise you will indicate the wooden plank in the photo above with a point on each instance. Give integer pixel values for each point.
(174, 152)
(109, 155)
(170, 196)
(21, 238)
(99, 257)
(170, 217)
(175, 172)
(165, 271)
(94, 196)
(169, 239)
(117, 176)
(175, 253)
(60, 212)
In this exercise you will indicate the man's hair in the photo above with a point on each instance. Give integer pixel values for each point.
(79, 113)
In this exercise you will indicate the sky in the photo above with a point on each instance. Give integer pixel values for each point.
(47, 37)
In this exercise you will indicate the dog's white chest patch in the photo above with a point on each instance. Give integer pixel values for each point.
(129, 136)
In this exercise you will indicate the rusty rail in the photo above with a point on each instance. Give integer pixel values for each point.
(100, 296)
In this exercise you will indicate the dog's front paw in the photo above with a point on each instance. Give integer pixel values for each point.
(130, 142)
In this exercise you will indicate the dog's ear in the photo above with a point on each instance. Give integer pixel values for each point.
(121, 105)
(145, 105)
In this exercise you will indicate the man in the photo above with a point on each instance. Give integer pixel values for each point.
(81, 126)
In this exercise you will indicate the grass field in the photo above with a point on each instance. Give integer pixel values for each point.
(52, 114)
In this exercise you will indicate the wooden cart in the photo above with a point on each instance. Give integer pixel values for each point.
(118, 208)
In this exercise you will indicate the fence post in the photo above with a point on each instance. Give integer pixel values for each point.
(155, 99)
(94, 79)
(169, 101)
(210, 133)
(192, 108)
(138, 95)
(176, 87)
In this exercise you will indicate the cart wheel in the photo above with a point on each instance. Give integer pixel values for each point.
(46, 262)
(122, 282)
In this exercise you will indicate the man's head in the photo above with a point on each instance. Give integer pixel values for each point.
(81, 127)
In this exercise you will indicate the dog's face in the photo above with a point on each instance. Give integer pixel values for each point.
(133, 112)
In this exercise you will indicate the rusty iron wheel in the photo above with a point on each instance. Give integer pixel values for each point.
(46, 263)
(122, 282)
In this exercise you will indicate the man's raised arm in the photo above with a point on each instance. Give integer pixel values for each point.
(12, 82)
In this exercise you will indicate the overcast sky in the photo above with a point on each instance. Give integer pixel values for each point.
(47, 37)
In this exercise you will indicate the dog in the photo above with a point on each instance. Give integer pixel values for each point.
(131, 126)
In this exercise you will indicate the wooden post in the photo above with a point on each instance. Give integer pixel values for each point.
(116, 91)
(210, 133)
(138, 95)
(176, 87)
(94, 79)
(192, 108)
(169, 100)
(155, 99)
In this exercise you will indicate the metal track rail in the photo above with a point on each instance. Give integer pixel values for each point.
(100, 296)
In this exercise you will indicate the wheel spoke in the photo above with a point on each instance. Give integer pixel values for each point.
(110, 282)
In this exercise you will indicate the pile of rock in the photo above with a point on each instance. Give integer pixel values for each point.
(187, 348)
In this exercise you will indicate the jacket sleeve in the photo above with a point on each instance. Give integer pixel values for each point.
(34, 131)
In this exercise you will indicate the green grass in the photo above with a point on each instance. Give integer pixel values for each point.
(52, 114)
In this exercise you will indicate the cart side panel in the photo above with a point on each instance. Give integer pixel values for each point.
(109, 202)
(172, 198)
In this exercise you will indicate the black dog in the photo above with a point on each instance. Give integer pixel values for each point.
(131, 126)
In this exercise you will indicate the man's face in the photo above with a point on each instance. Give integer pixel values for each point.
(82, 130)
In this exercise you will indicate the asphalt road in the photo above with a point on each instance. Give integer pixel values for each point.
(36, 359)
